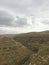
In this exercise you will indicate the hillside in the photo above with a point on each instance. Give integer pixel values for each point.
(12, 53)
(37, 42)
(33, 40)
(25, 49)
(40, 58)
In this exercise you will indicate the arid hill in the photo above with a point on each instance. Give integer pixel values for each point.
(25, 49)
(33, 39)
(12, 53)
(37, 42)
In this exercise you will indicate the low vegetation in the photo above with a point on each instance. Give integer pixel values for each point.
(25, 49)
(11, 52)
(37, 43)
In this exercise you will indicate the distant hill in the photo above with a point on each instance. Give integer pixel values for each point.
(33, 39)
(8, 35)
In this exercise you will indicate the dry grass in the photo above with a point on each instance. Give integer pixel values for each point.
(25, 49)
(37, 43)
(11, 52)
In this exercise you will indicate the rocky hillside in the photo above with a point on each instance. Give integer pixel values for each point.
(12, 53)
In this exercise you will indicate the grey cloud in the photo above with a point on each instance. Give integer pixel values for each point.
(7, 20)
(28, 7)
(21, 22)
(45, 22)
(33, 19)
(38, 8)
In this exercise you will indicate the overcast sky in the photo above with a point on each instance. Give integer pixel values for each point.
(21, 16)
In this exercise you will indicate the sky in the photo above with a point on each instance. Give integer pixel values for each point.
(22, 16)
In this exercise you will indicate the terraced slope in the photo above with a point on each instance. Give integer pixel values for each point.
(37, 43)
(25, 49)
(12, 53)
(33, 40)
(41, 58)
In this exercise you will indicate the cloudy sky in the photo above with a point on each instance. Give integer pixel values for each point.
(21, 16)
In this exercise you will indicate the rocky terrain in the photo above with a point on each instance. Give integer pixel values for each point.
(25, 49)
